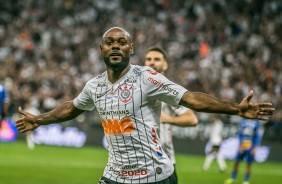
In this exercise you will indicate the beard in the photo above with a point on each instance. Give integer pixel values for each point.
(115, 64)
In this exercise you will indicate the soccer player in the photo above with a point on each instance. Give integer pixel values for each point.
(127, 97)
(249, 139)
(215, 140)
(156, 58)
(34, 111)
(3, 103)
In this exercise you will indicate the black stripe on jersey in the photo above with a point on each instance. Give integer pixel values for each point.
(116, 136)
(145, 131)
(137, 131)
(122, 134)
(105, 107)
(114, 152)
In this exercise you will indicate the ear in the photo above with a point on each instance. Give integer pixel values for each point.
(131, 49)
(101, 48)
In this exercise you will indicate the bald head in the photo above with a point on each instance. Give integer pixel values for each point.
(117, 30)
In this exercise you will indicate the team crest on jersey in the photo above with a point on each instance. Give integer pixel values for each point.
(125, 93)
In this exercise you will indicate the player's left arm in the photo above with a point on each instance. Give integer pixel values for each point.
(203, 102)
(187, 118)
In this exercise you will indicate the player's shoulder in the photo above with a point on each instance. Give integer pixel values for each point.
(97, 80)
(144, 71)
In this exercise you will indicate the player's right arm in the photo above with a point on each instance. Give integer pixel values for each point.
(64, 112)
(187, 118)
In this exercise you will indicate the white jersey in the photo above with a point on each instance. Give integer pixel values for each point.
(166, 129)
(215, 132)
(130, 114)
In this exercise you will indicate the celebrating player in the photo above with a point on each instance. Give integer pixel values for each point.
(128, 99)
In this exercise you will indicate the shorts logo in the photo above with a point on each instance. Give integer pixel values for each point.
(125, 94)
(118, 127)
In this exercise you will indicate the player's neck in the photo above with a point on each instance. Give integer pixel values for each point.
(115, 75)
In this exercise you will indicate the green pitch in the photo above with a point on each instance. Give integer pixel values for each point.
(61, 165)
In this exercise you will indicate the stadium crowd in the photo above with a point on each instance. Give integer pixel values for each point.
(49, 49)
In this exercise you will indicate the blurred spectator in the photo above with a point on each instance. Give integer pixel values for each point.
(224, 47)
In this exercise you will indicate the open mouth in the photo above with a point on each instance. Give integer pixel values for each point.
(115, 54)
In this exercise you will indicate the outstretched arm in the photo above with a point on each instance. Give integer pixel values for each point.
(188, 118)
(64, 112)
(205, 103)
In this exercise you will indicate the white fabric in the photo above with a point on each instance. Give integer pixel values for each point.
(130, 114)
(166, 130)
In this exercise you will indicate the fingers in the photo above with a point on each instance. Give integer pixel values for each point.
(263, 118)
(267, 110)
(265, 104)
(22, 112)
(250, 95)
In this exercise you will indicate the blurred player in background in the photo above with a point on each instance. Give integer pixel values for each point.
(249, 139)
(156, 58)
(3, 104)
(215, 140)
(128, 99)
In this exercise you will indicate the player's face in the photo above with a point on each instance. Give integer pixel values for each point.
(156, 60)
(116, 48)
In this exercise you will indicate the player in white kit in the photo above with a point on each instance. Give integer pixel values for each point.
(127, 98)
(157, 59)
(215, 130)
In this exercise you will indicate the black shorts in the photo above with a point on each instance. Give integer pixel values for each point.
(170, 180)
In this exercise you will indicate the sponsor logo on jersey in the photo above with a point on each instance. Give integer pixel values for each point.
(104, 84)
(152, 72)
(137, 71)
(162, 86)
(125, 173)
(118, 112)
(159, 170)
(158, 148)
(125, 94)
(118, 127)
(102, 94)
(129, 167)
(130, 80)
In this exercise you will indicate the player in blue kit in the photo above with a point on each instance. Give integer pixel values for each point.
(3, 103)
(249, 139)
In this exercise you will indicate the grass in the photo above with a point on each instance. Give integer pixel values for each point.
(62, 165)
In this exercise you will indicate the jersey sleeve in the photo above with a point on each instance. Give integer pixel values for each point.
(181, 110)
(158, 87)
(84, 101)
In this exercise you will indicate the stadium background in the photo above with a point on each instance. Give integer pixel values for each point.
(49, 49)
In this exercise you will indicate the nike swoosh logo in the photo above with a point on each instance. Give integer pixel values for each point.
(102, 94)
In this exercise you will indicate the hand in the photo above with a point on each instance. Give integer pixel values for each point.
(164, 118)
(255, 110)
(26, 123)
